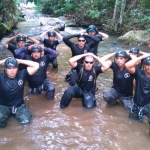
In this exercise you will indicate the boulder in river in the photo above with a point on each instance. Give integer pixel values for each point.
(136, 36)
(56, 22)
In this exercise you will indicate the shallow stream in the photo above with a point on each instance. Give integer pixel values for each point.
(74, 128)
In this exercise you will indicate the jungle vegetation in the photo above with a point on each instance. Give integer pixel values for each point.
(115, 16)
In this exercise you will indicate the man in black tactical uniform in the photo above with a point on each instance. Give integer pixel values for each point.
(77, 49)
(92, 30)
(122, 88)
(135, 52)
(86, 85)
(39, 82)
(12, 90)
(21, 42)
(51, 42)
(141, 105)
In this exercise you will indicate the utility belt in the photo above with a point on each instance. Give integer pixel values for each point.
(14, 109)
(141, 111)
(88, 99)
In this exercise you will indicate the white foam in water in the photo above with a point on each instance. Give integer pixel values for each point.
(73, 30)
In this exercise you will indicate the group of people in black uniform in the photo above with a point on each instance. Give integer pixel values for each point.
(131, 69)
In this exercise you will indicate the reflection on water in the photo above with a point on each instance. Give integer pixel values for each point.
(76, 128)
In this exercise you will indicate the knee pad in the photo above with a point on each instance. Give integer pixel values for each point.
(110, 97)
(48, 85)
(88, 100)
(55, 64)
(3, 122)
(4, 115)
(23, 115)
(50, 94)
(106, 97)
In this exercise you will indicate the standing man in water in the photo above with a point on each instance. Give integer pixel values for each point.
(77, 49)
(135, 52)
(51, 42)
(86, 85)
(12, 89)
(122, 88)
(141, 105)
(92, 30)
(39, 82)
(21, 42)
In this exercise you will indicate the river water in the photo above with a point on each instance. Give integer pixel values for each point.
(74, 128)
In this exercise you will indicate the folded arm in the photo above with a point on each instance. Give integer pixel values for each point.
(105, 64)
(131, 65)
(66, 39)
(104, 36)
(7, 41)
(32, 66)
(52, 54)
(73, 60)
(21, 52)
(95, 40)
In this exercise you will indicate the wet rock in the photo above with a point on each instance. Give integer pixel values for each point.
(56, 22)
(2, 47)
(136, 36)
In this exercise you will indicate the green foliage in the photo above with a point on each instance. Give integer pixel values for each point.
(58, 7)
(94, 14)
(7, 12)
(5, 26)
(145, 3)
(136, 15)
(140, 17)
(20, 18)
(69, 7)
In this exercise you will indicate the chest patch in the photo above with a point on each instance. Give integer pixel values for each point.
(54, 47)
(126, 75)
(20, 82)
(85, 51)
(90, 78)
(42, 63)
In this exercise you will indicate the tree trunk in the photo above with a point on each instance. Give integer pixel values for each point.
(114, 22)
(123, 5)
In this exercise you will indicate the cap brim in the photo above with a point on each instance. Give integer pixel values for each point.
(91, 30)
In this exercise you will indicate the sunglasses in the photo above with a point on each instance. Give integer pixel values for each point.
(81, 40)
(89, 62)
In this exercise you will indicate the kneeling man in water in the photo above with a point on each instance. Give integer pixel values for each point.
(39, 81)
(122, 87)
(86, 84)
(141, 105)
(11, 91)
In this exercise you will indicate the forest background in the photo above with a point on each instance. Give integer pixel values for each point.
(114, 16)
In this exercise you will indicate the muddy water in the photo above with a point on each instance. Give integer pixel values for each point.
(101, 128)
